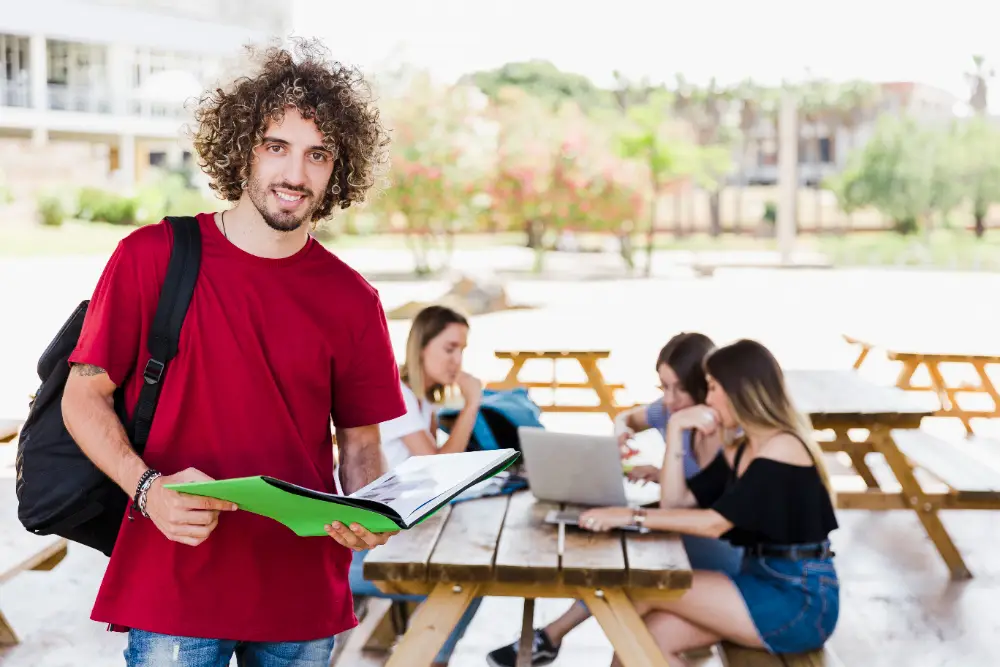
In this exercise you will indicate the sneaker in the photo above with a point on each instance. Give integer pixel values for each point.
(543, 652)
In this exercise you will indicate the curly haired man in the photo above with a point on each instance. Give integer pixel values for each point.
(280, 336)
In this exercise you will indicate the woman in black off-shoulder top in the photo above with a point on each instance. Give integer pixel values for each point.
(769, 492)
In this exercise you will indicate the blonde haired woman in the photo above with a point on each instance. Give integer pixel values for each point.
(769, 493)
(434, 350)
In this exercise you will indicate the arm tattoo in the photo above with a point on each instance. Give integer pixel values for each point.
(88, 369)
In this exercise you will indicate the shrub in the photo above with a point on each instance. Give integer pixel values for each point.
(51, 211)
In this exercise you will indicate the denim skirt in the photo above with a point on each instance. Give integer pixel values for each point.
(793, 603)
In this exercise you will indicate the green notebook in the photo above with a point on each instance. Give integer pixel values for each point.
(399, 499)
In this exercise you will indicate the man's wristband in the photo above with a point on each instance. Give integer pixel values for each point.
(139, 499)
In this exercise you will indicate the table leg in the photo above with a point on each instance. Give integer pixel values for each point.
(510, 381)
(906, 373)
(601, 387)
(987, 386)
(625, 629)
(883, 442)
(7, 635)
(865, 349)
(527, 641)
(431, 625)
(56, 556)
(857, 459)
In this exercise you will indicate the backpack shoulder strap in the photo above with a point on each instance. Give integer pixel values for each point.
(164, 337)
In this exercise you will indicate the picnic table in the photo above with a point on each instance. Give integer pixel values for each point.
(501, 546)
(843, 400)
(21, 551)
(914, 353)
(587, 360)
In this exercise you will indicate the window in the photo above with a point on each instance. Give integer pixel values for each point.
(58, 56)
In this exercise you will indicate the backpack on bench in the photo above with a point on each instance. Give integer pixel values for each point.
(59, 490)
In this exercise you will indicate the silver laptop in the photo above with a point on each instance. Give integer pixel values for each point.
(579, 469)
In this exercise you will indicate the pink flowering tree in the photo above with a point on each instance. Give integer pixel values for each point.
(439, 157)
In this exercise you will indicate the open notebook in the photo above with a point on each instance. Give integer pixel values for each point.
(399, 499)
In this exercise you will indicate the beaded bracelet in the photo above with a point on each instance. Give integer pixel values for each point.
(139, 501)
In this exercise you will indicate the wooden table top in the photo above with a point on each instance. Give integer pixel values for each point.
(506, 540)
(979, 345)
(552, 354)
(844, 395)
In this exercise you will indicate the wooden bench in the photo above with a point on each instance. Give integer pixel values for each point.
(21, 551)
(934, 355)
(588, 360)
(739, 656)
(971, 479)
(381, 623)
(842, 402)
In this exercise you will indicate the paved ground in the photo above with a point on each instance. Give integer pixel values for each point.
(897, 595)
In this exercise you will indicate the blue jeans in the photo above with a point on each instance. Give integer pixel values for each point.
(795, 604)
(363, 587)
(149, 649)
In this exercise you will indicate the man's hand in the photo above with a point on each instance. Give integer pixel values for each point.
(182, 517)
(357, 537)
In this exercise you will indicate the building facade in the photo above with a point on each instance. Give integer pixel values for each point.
(120, 74)
(825, 146)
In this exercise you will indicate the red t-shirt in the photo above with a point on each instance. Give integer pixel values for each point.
(269, 351)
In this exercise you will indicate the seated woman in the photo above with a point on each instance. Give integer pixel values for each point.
(769, 493)
(434, 350)
(682, 379)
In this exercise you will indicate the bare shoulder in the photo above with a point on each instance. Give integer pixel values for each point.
(786, 448)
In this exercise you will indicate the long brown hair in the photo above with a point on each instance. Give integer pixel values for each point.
(427, 325)
(685, 354)
(755, 386)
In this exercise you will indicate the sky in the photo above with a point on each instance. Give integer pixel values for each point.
(881, 40)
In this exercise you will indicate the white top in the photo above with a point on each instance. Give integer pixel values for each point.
(417, 418)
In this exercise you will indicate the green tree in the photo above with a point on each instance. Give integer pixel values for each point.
(978, 156)
(906, 171)
(854, 103)
(543, 80)
(651, 136)
(438, 161)
(706, 110)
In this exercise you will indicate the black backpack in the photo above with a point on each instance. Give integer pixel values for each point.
(59, 490)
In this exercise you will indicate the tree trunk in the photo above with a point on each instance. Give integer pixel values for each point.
(980, 223)
(651, 231)
(678, 213)
(449, 246)
(536, 232)
(626, 250)
(418, 246)
(715, 214)
(738, 204)
(819, 178)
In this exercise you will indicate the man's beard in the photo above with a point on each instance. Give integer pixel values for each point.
(282, 221)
